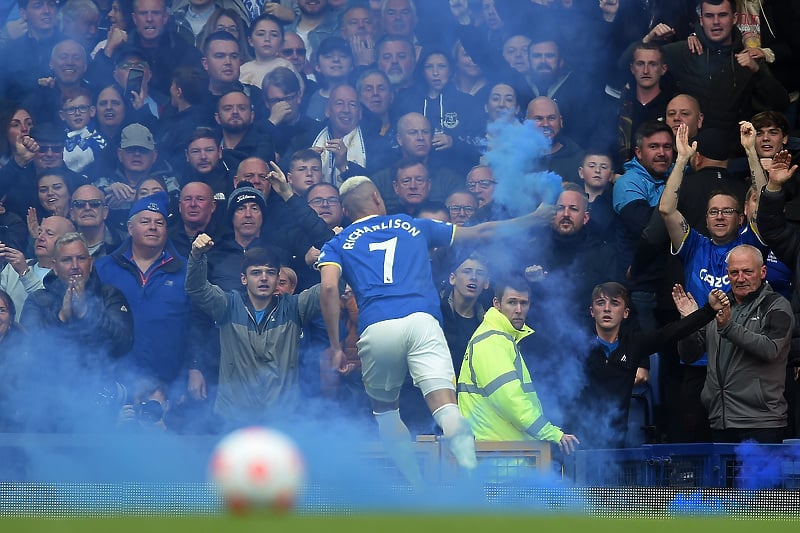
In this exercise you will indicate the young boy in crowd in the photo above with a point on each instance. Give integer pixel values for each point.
(305, 170)
(83, 144)
(596, 172)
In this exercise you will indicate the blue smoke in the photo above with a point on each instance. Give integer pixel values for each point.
(515, 154)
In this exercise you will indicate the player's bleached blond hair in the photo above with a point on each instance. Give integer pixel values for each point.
(352, 184)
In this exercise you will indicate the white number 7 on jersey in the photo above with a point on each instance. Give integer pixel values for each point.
(388, 258)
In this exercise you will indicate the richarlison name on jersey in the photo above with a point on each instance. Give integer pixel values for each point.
(392, 223)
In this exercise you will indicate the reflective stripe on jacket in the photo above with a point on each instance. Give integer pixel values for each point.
(495, 390)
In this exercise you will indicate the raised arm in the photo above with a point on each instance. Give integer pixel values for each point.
(676, 224)
(210, 298)
(782, 171)
(747, 136)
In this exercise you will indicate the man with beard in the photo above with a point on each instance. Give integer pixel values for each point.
(565, 155)
(241, 138)
(549, 76)
(397, 59)
(636, 195)
(204, 163)
(570, 258)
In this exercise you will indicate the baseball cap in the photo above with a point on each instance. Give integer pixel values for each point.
(124, 53)
(334, 44)
(137, 135)
(157, 203)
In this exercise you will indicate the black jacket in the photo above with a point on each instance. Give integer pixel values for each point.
(106, 330)
(727, 92)
(784, 241)
(172, 51)
(608, 380)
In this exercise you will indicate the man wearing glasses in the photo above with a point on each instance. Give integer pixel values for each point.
(290, 129)
(323, 198)
(130, 59)
(703, 254)
(462, 206)
(482, 184)
(88, 211)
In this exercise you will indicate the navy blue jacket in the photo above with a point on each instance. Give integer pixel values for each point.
(160, 306)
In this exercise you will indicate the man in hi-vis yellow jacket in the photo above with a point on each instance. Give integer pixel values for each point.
(495, 391)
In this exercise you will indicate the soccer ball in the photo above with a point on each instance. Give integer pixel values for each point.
(257, 468)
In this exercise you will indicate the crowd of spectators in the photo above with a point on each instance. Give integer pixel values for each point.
(128, 128)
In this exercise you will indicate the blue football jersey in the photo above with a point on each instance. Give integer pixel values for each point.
(704, 262)
(705, 268)
(385, 261)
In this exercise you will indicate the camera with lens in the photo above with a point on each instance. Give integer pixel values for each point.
(149, 411)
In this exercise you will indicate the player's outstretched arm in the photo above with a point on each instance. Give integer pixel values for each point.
(488, 230)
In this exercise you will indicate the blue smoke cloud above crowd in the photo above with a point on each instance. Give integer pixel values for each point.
(515, 154)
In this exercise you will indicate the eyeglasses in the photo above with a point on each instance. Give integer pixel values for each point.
(55, 148)
(456, 209)
(286, 52)
(74, 110)
(727, 212)
(288, 98)
(93, 204)
(330, 200)
(419, 180)
(229, 29)
(482, 184)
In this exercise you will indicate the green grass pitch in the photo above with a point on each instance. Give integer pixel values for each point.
(392, 523)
